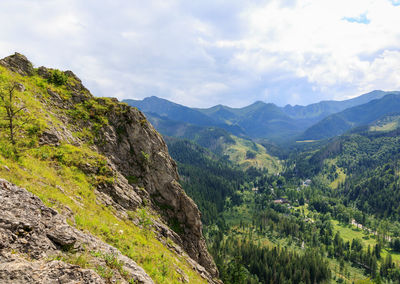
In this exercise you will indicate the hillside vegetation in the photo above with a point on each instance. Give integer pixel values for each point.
(54, 155)
(327, 212)
(361, 115)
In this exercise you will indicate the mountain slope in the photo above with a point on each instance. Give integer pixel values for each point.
(337, 124)
(267, 120)
(324, 108)
(165, 108)
(363, 167)
(258, 120)
(102, 166)
(219, 141)
(386, 123)
(207, 178)
(169, 117)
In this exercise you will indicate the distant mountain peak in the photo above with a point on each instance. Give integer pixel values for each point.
(258, 120)
(259, 103)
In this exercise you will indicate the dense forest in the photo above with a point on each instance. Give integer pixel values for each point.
(330, 216)
(207, 179)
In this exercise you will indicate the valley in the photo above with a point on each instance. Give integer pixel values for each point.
(327, 204)
(320, 207)
(200, 142)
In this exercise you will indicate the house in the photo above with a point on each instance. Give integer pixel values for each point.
(281, 201)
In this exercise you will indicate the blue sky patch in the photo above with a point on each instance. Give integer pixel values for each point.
(362, 19)
(395, 2)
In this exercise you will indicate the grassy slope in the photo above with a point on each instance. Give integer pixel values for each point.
(237, 154)
(388, 123)
(350, 232)
(341, 175)
(340, 179)
(54, 174)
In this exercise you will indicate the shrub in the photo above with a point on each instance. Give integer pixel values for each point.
(58, 77)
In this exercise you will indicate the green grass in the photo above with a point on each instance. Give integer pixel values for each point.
(341, 176)
(349, 232)
(237, 154)
(389, 123)
(61, 178)
(45, 178)
(238, 214)
(387, 127)
(340, 179)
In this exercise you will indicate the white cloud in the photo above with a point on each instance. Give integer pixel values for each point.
(313, 40)
(202, 53)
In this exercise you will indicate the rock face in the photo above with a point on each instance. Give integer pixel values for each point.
(143, 173)
(18, 63)
(139, 151)
(32, 234)
(18, 270)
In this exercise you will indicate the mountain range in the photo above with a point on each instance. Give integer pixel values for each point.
(365, 114)
(262, 120)
(90, 192)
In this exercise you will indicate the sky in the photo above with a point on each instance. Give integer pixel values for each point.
(201, 53)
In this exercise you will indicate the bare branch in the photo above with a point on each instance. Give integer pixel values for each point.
(22, 108)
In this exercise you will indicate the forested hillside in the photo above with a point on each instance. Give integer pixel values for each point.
(194, 142)
(323, 212)
(323, 219)
(259, 120)
(326, 210)
(361, 115)
(370, 161)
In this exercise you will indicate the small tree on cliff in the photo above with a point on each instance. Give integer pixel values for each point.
(12, 111)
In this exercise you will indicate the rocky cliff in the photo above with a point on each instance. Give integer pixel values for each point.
(129, 136)
(95, 155)
(34, 238)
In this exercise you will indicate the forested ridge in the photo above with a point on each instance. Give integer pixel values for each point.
(330, 216)
(207, 179)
